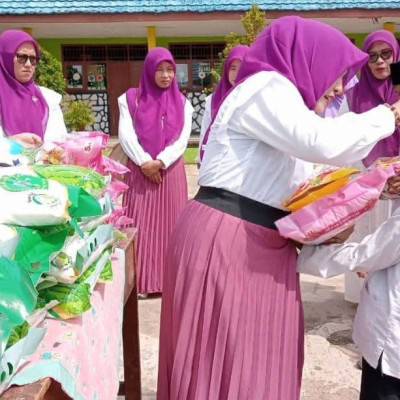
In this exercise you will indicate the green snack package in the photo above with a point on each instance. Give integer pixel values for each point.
(36, 245)
(74, 299)
(17, 333)
(93, 273)
(74, 175)
(107, 272)
(82, 203)
(18, 295)
(6, 327)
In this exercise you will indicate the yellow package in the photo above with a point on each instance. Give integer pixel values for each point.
(326, 181)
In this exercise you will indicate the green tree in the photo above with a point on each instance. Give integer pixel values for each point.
(253, 22)
(49, 72)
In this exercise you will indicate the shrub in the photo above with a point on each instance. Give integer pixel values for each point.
(77, 114)
(49, 73)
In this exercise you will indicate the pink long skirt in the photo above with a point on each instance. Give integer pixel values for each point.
(231, 319)
(155, 209)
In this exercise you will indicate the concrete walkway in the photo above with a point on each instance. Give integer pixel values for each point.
(330, 355)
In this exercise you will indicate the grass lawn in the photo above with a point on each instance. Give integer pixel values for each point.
(190, 155)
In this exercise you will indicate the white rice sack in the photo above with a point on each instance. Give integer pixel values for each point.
(29, 200)
(8, 240)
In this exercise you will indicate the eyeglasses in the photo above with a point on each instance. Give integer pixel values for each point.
(385, 55)
(23, 58)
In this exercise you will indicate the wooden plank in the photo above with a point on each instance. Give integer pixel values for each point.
(34, 391)
(129, 246)
(131, 388)
(115, 152)
(55, 392)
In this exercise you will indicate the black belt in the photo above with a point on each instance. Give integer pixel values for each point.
(240, 206)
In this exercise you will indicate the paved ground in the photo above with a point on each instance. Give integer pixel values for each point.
(329, 371)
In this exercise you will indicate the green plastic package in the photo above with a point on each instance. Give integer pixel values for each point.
(82, 203)
(36, 245)
(74, 175)
(18, 295)
(74, 299)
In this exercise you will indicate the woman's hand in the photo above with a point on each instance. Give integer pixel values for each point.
(341, 237)
(155, 178)
(394, 184)
(150, 168)
(30, 140)
(396, 110)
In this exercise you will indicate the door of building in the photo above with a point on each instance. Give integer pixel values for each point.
(121, 76)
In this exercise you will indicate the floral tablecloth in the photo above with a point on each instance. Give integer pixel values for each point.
(83, 353)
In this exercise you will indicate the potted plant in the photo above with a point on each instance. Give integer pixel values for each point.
(78, 114)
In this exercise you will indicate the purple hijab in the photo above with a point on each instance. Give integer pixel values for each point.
(311, 54)
(236, 53)
(223, 87)
(371, 92)
(22, 105)
(157, 114)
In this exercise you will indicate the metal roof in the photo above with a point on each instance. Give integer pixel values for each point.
(19, 7)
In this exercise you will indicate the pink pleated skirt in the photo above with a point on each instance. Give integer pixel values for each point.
(155, 209)
(231, 320)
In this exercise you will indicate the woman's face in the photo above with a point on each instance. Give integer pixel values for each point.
(380, 57)
(335, 90)
(233, 71)
(25, 62)
(164, 75)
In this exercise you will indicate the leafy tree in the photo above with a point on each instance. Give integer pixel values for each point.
(253, 22)
(49, 72)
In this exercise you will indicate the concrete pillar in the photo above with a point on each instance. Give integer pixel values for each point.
(151, 37)
(389, 26)
(28, 31)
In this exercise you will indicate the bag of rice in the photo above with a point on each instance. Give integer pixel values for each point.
(331, 214)
(80, 148)
(324, 181)
(27, 199)
(8, 240)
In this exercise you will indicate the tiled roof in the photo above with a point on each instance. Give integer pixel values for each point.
(160, 6)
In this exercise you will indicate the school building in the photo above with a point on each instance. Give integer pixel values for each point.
(102, 43)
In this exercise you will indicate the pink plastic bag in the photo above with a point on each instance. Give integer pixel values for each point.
(116, 188)
(329, 215)
(118, 219)
(80, 148)
(109, 166)
(84, 149)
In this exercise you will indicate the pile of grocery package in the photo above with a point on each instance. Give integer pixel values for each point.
(58, 225)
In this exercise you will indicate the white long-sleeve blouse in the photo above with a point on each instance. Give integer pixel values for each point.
(264, 139)
(130, 142)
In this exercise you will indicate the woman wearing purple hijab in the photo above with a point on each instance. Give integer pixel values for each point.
(212, 103)
(374, 88)
(231, 317)
(154, 128)
(28, 113)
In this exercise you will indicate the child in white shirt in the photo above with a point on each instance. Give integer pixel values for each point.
(377, 322)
